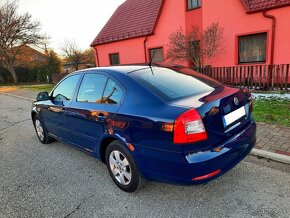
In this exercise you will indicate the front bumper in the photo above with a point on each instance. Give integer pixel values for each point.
(172, 167)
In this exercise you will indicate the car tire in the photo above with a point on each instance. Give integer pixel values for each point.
(41, 131)
(122, 167)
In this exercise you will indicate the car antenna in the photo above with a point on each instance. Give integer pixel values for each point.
(151, 60)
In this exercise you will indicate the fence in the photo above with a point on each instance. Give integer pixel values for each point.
(253, 77)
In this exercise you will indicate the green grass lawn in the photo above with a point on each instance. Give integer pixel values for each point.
(38, 88)
(272, 110)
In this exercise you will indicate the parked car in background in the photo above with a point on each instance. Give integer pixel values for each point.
(161, 123)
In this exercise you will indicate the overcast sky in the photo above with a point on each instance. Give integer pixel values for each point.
(79, 20)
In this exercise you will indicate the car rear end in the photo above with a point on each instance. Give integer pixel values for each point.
(214, 132)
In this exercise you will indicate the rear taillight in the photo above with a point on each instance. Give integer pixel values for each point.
(189, 128)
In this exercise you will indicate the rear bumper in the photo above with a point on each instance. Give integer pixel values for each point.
(172, 167)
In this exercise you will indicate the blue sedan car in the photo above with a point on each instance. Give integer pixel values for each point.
(161, 123)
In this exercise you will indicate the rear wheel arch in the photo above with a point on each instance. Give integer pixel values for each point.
(103, 147)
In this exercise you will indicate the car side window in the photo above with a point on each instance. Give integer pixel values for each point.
(113, 93)
(65, 90)
(92, 87)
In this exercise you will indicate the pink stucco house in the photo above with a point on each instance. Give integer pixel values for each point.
(255, 31)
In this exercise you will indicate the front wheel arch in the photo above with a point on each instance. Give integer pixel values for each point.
(33, 114)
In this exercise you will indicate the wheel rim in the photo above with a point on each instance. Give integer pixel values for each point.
(120, 167)
(39, 130)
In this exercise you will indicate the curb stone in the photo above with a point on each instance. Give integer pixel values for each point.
(271, 155)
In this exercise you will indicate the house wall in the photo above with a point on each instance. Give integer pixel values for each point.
(171, 19)
(130, 51)
(232, 16)
(193, 18)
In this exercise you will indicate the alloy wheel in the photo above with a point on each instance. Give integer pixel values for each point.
(120, 167)
(39, 129)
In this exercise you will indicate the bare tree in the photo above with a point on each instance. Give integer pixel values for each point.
(196, 46)
(73, 53)
(16, 30)
(90, 57)
(213, 40)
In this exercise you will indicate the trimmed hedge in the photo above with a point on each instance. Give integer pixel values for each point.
(26, 75)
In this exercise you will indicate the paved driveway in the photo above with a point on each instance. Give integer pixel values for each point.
(56, 180)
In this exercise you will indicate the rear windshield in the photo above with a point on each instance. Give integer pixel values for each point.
(172, 85)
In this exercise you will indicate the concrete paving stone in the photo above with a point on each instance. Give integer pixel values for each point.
(266, 147)
(272, 150)
(284, 130)
(280, 133)
(281, 138)
(271, 126)
(263, 135)
(286, 146)
(261, 143)
(281, 141)
(277, 129)
(278, 148)
(270, 143)
(274, 139)
(283, 152)
(269, 136)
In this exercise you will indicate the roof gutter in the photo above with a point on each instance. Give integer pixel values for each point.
(274, 21)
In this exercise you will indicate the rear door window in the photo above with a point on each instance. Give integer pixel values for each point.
(113, 93)
(92, 87)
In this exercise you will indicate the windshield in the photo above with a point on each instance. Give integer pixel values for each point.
(172, 85)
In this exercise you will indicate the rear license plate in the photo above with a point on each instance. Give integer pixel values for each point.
(234, 116)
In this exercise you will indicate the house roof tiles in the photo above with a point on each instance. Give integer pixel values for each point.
(253, 6)
(134, 18)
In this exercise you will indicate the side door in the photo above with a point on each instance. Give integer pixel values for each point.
(54, 112)
(91, 115)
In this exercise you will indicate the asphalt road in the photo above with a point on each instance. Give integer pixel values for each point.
(56, 180)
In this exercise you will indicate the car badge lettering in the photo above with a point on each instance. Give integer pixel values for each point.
(236, 101)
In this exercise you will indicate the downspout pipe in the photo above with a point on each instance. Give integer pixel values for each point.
(274, 21)
(97, 56)
(145, 49)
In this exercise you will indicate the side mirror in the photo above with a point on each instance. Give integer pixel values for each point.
(42, 96)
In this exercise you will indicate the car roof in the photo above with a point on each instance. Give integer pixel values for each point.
(123, 69)
(127, 69)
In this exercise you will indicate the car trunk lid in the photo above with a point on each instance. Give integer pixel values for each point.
(224, 111)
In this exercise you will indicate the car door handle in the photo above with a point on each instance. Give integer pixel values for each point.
(102, 118)
(64, 111)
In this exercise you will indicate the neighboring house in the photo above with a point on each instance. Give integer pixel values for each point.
(255, 31)
(28, 57)
(69, 67)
